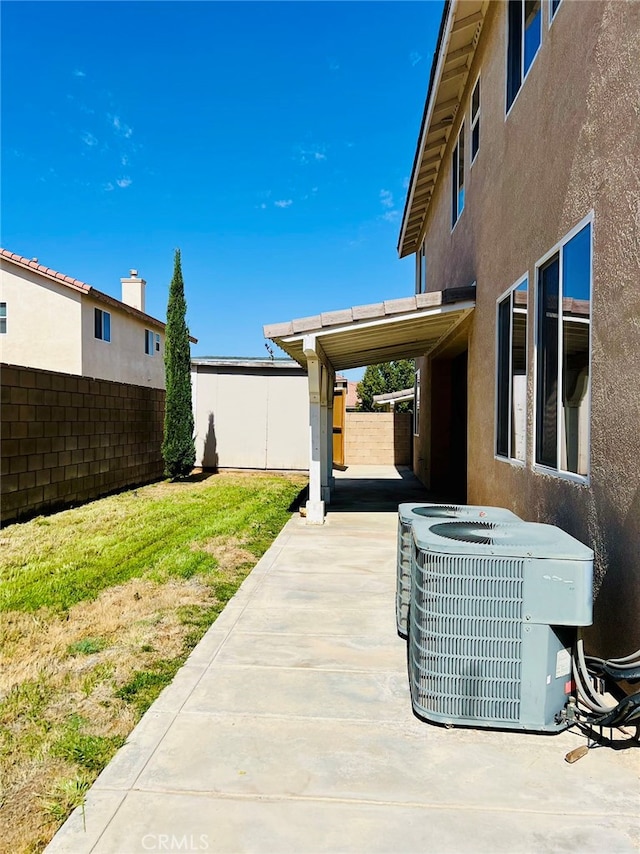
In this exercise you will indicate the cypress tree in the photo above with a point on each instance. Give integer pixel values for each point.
(178, 447)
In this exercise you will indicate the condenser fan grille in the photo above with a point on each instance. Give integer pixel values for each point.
(442, 511)
(483, 533)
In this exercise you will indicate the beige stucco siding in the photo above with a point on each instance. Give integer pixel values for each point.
(568, 148)
(123, 358)
(253, 419)
(43, 322)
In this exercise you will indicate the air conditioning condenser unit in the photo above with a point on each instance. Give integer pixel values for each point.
(493, 614)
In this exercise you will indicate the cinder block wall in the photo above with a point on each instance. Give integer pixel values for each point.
(378, 438)
(67, 439)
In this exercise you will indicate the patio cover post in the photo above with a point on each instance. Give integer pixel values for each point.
(317, 448)
(331, 382)
(326, 431)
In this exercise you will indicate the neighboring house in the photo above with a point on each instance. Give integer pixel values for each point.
(57, 323)
(350, 388)
(522, 215)
(250, 413)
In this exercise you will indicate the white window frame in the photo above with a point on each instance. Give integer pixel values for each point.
(523, 74)
(455, 173)
(416, 403)
(3, 318)
(474, 120)
(157, 342)
(539, 467)
(149, 343)
(511, 459)
(103, 314)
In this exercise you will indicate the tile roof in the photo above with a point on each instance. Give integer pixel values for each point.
(77, 285)
(32, 264)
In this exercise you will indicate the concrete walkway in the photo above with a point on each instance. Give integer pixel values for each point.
(290, 729)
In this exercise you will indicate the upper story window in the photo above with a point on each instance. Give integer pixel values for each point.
(511, 374)
(553, 8)
(3, 318)
(475, 120)
(563, 360)
(416, 403)
(524, 22)
(421, 270)
(148, 342)
(457, 178)
(157, 342)
(102, 324)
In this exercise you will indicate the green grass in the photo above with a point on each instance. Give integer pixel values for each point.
(149, 533)
(91, 752)
(65, 796)
(145, 685)
(191, 543)
(87, 646)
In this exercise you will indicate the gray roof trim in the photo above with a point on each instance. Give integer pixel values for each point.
(278, 364)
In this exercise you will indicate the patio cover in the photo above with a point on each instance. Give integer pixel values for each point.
(350, 338)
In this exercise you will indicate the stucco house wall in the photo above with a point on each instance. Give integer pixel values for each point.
(250, 413)
(54, 341)
(565, 151)
(123, 359)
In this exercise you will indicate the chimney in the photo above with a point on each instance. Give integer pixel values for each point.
(133, 290)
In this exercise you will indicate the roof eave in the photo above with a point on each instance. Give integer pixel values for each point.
(459, 33)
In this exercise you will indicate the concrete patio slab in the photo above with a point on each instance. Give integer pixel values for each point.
(317, 651)
(326, 621)
(205, 823)
(300, 693)
(290, 728)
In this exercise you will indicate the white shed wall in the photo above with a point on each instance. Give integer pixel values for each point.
(251, 419)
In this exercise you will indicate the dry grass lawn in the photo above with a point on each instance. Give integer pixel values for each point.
(87, 644)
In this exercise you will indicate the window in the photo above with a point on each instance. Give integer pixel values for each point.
(475, 120)
(102, 324)
(148, 342)
(421, 270)
(511, 375)
(457, 178)
(157, 343)
(524, 21)
(553, 8)
(563, 302)
(3, 318)
(416, 403)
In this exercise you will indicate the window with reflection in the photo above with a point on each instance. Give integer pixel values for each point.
(457, 178)
(421, 270)
(563, 356)
(511, 375)
(524, 37)
(475, 120)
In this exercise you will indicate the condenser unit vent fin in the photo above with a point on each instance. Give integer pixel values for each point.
(466, 643)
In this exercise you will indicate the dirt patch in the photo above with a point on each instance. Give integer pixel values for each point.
(228, 551)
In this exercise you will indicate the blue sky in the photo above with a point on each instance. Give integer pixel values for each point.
(271, 142)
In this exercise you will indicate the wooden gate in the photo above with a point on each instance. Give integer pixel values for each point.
(339, 409)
